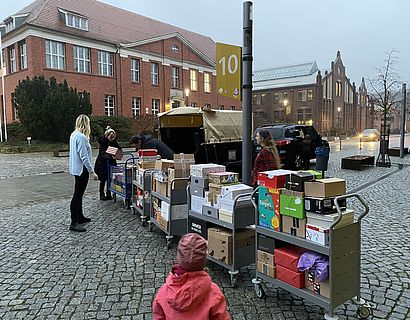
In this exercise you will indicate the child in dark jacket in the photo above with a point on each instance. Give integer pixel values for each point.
(109, 139)
(189, 292)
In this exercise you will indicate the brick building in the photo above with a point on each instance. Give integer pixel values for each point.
(129, 64)
(303, 94)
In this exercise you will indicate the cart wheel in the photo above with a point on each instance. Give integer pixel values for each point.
(234, 281)
(260, 293)
(363, 312)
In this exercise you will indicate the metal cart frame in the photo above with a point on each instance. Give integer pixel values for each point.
(146, 187)
(344, 263)
(177, 227)
(126, 185)
(242, 217)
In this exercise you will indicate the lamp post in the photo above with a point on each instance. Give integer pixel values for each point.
(338, 126)
(187, 95)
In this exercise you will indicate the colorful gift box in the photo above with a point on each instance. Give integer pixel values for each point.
(273, 179)
(292, 204)
(295, 279)
(223, 177)
(288, 257)
(269, 208)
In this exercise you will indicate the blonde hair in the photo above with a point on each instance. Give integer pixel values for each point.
(82, 124)
(108, 130)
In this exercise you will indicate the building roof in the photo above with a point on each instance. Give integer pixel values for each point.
(110, 24)
(285, 76)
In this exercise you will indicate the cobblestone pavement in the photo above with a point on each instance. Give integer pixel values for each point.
(114, 269)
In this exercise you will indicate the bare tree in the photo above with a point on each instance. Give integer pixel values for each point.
(385, 93)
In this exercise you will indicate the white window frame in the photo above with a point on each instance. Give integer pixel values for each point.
(75, 21)
(109, 105)
(136, 106)
(105, 63)
(193, 78)
(154, 73)
(155, 104)
(55, 54)
(12, 57)
(23, 55)
(135, 70)
(82, 59)
(175, 77)
(207, 82)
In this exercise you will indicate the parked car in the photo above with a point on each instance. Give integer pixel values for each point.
(370, 135)
(294, 147)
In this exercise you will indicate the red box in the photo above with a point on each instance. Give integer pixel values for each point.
(273, 179)
(288, 257)
(295, 279)
(147, 152)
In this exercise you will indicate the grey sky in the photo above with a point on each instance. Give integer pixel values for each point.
(292, 31)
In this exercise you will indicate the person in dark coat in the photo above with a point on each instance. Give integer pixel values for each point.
(109, 139)
(147, 141)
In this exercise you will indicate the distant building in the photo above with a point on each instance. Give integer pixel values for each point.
(128, 63)
(303, 94)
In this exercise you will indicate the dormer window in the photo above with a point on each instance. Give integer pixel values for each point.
(76, 21)
(10, 25)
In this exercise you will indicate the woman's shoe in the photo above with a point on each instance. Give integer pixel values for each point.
(77, 228)
(103, 197)
(108, 196)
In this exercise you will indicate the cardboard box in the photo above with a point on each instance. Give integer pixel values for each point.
(295, 279)
(210, 212)
(161, 176)
(273, 178)
(223, 177)
(115, 152)
(147, 153)
(182, 164)
(266, 257)
(177, 184)
(317, 234)
(197, 191)
(215, 188)
(325, 188)
(294, 226)
(200, 182)
(220, 244)
(198, 226)
(203, 170)
(292, 204)
(245, 237)
(312, 283)
(296, 180)
(326, 220)
(225, 216)
(269, 208)
(231, 192)
(146, 165)
(266, 243)
(288, 257)
(323, 205)
(197, 203)
(161, 187)
(266, 269)
(316, 174)
(164, 224)
(164, 164)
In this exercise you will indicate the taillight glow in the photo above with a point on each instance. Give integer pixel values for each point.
(281, 143)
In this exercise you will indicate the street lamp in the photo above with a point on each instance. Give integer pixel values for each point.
(338, 126)
(186, 95)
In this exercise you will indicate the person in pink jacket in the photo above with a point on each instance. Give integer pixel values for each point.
(189, 292)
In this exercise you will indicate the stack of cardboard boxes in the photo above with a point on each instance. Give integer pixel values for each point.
(147, 158)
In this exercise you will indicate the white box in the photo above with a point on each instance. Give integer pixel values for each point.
(197, 203)
(231, 192)
(202, 170)
(165, 212)
(225, 216)
(317, 234)
(326, 220)
(227, 204)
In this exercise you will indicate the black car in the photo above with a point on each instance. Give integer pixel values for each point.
(296, 144)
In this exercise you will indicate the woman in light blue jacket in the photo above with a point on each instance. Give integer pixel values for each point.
(80, 167)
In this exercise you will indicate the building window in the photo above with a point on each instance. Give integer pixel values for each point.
(175, 104)
(276, 98)
(12, 57)
(338, 88)
(175, 77)
(304, 116)
(155, 106)
(81, 59)
(279, 115)
(193, 104)
(310, 94)
(154, 73)
(75, 21)
(193, 79)
(304, 95)
(256, 99)
(233, 108)
(105, 63)
(207, 82)
(221, 107)
(174, 48)
(299, 95)
(23, 55)
(263, 96)
(284, 95)
(136, 106)
(109, 105)
(10, 25)
(135, 70)
(55, 55)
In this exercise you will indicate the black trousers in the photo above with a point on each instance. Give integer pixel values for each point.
(76, 205)
(104, 186)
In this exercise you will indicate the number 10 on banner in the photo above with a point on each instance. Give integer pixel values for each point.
(228, 70)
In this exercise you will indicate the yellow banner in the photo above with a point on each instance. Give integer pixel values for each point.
(228, 70)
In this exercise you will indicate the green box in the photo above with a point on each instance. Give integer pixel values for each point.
(317, 174)
(292, 206)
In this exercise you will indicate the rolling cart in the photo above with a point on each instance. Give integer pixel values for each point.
(243, 216)
(177, 211)
(141, 194)
(344, 263)
(120, 180)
